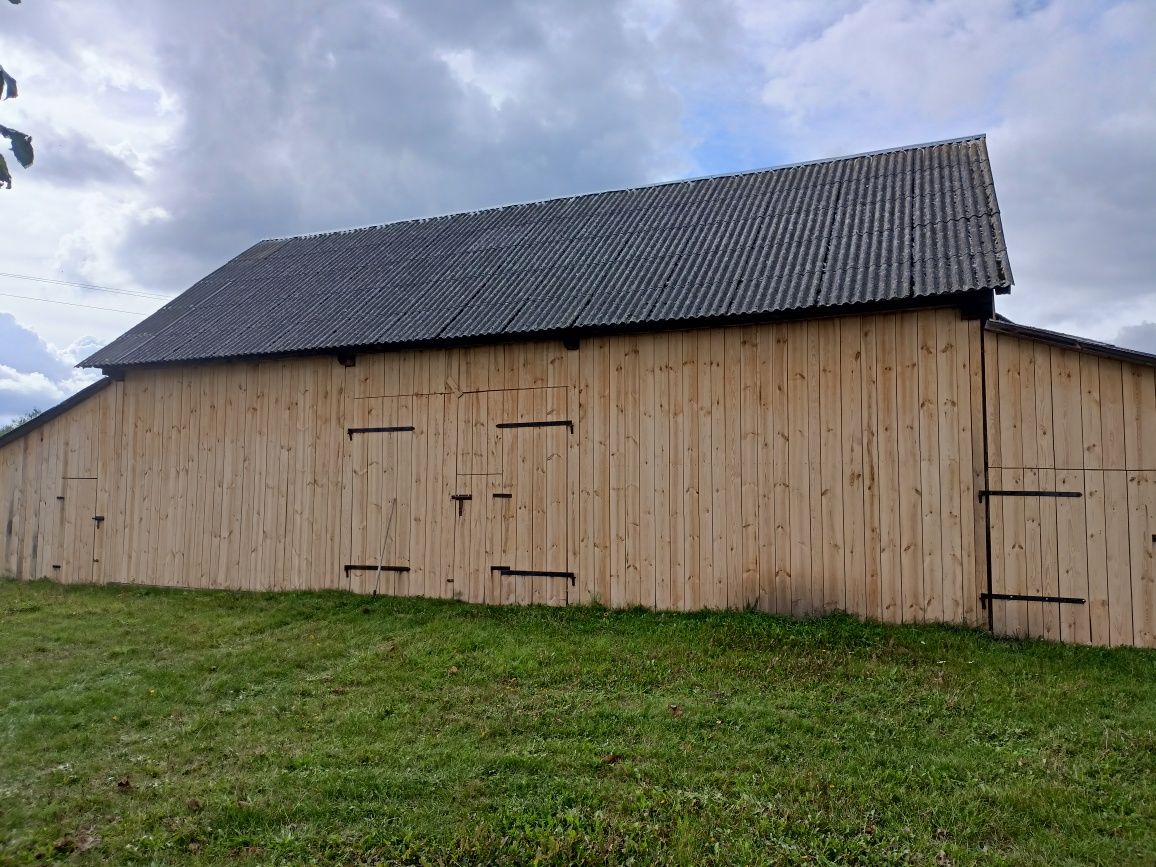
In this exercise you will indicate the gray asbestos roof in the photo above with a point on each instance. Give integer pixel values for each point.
(898, 227)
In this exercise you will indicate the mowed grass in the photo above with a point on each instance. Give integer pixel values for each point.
(157, 726)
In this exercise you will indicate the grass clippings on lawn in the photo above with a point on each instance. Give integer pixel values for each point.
(143, 725)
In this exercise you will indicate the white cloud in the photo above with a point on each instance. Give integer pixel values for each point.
(173, 135)
(1141, 336)
(1065, 90)
(34, 374)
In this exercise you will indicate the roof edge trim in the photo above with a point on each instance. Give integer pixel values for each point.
(1069, 341)
(971, 303)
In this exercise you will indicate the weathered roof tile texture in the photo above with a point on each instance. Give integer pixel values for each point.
(879, 228)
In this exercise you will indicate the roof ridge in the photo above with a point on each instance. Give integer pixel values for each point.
(695, 179)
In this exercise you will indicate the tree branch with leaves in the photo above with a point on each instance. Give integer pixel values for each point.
(20, 142)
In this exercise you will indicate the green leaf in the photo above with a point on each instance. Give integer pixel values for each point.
(21, 145)
(7, 85)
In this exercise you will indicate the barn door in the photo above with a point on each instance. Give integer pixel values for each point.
(72, 557)
(1142, 555)
(381, 490)
(477, 469)
(1039, 545)
(510, 541)
(1073, 555)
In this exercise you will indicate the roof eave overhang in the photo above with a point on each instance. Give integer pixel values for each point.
(972, 304)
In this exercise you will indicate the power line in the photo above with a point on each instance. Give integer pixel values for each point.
(82, 285)
(72, 304)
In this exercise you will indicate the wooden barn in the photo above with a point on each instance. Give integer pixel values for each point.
(784, 389)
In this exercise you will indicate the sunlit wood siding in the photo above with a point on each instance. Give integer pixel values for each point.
(1073, 421)
(797, 467)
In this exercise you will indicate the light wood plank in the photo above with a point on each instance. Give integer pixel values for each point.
(678, 467)
(557, 444)
(1142, 550)
(617, 474)
(872, 529)
(1090, 409)
(1118, 565)
(719, 510)
(587, 579)
(647, 527)
(951, 472)
(911, 492)
(851, 448)
(778, 430)
(891, 559)
(660, 498)
(930, 466)
(1095, 507)
(798, 416)
(1067, 415)
(968, 385)
(746, 459)
(693, 597)
(602, 494)
(1075, 624)
(1050, 556)
(708, 590)
(1111, 397)
(814, 467)
(834, 587)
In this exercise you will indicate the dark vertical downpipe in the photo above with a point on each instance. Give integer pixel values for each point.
(986, 480)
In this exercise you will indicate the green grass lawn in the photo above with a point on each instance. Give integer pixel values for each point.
(161, 726)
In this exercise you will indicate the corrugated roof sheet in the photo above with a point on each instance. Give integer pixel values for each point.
(880, 228)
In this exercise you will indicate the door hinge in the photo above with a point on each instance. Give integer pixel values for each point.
(364, 430)
(565, 422)
(362, 568)
(1028, 597)
(983, 494)
(534, 573)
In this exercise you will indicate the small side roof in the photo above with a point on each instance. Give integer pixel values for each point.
(1002, 325)
(49, 414)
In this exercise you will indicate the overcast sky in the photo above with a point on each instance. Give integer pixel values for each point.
(170, 136)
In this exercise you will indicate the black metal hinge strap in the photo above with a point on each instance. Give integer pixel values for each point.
(99, 519)
(556, 423)
(362, 568)
(535, 573)
(500, 496)
(1028, 597)
(461, 499)
(363, 430)
(983, 494)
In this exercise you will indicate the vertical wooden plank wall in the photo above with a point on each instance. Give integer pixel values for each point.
(794, 467)
(48, 489)
(797, 468)
(1063, 420)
